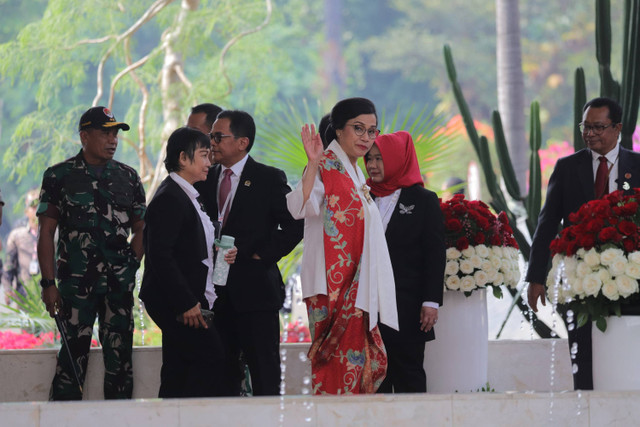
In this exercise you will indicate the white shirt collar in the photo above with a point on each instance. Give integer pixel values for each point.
(188, 188)
(236, 168)
(611, 155)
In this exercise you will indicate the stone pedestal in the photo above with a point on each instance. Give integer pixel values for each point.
(616, 354)
(456, 361)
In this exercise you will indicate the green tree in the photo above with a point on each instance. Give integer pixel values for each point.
(13, 99)
(150, 63)
(557, 37)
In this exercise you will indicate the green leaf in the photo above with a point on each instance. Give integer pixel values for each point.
(583, 318)
(601, 323)
(497, 292)
(506, 165)
(617, 309)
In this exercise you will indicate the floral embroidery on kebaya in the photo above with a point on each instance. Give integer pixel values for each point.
(346, 357)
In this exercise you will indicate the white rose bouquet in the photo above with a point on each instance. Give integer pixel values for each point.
(481, 249)
(597, 259)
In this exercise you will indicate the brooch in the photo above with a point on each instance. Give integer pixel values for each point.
(247, 183)
(406, 210)
(367, 195)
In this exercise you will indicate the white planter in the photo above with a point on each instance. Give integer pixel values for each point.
(456, 361)
(616, 354)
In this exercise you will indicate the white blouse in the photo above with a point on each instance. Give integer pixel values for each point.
(376, 288)
(209, 234)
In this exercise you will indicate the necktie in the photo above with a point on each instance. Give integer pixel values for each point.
(223, 194)
(601, 186)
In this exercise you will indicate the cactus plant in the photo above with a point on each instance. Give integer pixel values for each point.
(627, 93)
(579, 99)
(498, 201)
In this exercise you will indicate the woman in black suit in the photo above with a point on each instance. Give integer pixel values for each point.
(414, 228)
(177, 286)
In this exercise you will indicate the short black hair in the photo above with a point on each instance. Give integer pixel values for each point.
(241, 124)
(186, 140)
(615, 110)
(211, 111)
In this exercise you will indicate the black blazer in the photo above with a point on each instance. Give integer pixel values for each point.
(415, 237)
(174, 278)
(571, 186)
(261, 224)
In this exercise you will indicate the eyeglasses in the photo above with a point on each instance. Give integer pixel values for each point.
(596, 129)
(359, 130)
(217, 137)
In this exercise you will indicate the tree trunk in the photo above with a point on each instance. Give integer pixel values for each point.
(511, 86)
(334, 67)
(171, 89)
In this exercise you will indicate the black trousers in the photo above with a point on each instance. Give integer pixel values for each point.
(257, 335)
(405, 371)
(192, 359)
(583, 377)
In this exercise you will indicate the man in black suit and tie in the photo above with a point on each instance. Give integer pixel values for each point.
(248, 199)
(575, 181)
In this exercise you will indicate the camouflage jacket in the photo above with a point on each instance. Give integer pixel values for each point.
(94, 216)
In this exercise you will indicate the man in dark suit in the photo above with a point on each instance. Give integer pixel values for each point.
(178, 243)
(414, 232)
(202, 117)
(571, 185)
(248, 199)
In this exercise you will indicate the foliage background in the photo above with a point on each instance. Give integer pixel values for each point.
(389, 51)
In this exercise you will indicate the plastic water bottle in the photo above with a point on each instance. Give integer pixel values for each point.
(221, 269)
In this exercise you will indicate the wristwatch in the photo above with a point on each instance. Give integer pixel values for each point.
(47, 283)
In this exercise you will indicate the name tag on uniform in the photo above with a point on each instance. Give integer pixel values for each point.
(34, 268)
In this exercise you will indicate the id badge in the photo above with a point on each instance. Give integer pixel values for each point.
(34, 267)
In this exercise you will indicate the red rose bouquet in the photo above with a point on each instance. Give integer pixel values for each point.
(481, 250)
(596, 260)
(295, 332)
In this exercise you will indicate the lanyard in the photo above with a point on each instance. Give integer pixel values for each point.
(612, 165)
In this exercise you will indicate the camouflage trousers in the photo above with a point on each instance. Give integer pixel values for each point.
(115, 320)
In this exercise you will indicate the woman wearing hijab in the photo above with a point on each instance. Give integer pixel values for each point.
(346, 274)
(414, 229)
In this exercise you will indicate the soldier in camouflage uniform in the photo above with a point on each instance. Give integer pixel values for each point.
(94, 202)
(21, 262)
